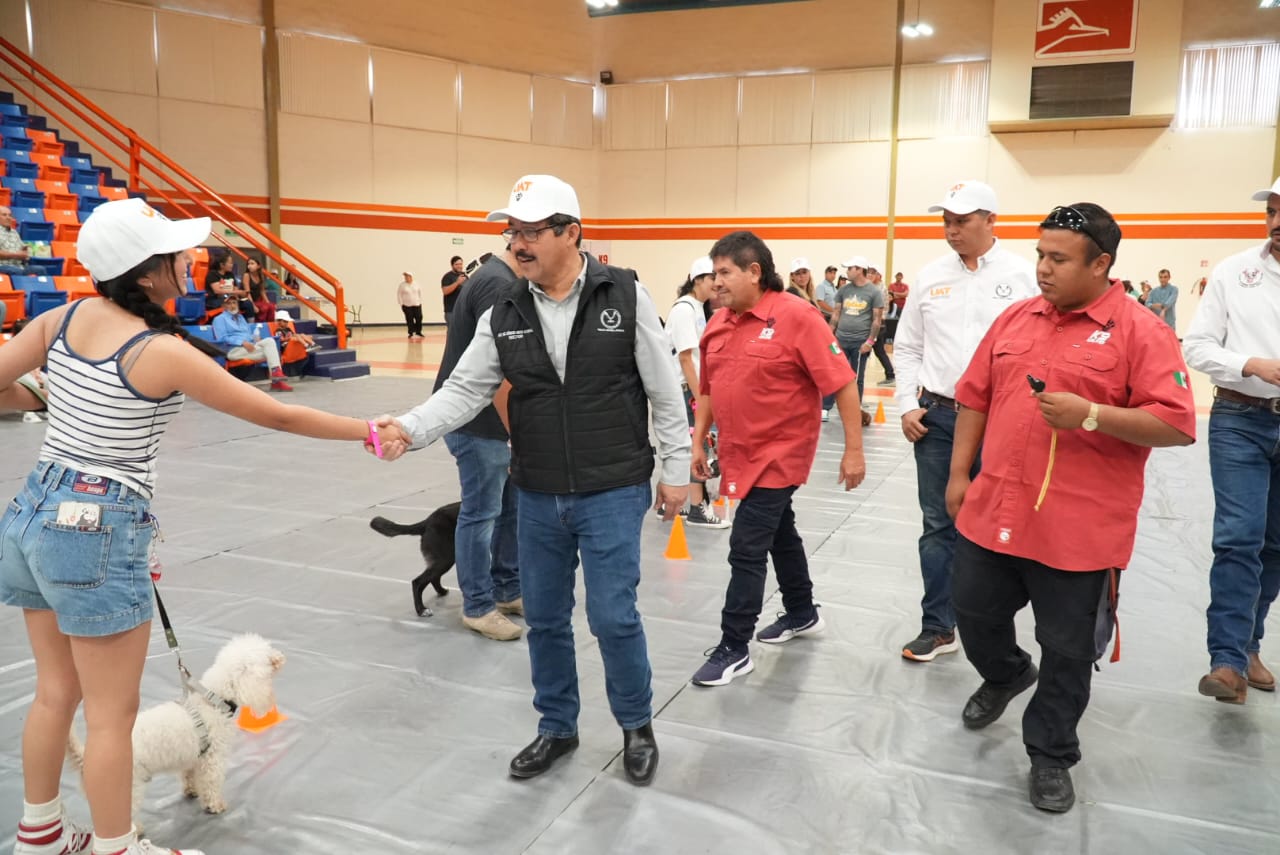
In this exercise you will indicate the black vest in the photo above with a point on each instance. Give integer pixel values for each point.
(590, 432)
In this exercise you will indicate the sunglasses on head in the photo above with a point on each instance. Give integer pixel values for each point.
(1067, 217)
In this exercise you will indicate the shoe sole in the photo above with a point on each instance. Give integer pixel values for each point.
(1262, 687)
(728, 675)
(524, 776)
(933, 654)
(795, 633)
(1219, 692)
(720, 524)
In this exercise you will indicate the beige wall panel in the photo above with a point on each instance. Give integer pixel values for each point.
(702, 113)
(487, 169)
(773, 181)
(231, 160)
(776, 110)
(324, 77)
(414, 91)
(562, 113)
(105, 45)
(415, 168)
(204, 59)
(849, 180)
(13, 24)
(852, 106)
(245, 11)
(496, 104)
(137, 112)
(927, 168)
(1159, 59)
(635, 117)
(1012, 45)
(325, 159)
(1215, 21)
(632, 184)
(702, 182)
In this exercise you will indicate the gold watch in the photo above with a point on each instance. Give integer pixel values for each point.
(1091, 421)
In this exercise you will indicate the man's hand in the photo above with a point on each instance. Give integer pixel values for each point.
(394, 438)
(913, 424)
(699, 466)
(1063, 410)
(1263, 369)
(866, 347)
(248, 345)
(671, 500)
(853, 468)
(956, 489)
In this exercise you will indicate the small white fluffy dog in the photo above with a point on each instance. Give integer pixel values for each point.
(166, 737)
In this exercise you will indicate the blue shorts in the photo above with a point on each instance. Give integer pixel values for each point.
(93, 572)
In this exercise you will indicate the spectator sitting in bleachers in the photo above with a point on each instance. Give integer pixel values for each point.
(293, 344)
(231, 332)
(220, 282)
(13, 252)
(255, 282)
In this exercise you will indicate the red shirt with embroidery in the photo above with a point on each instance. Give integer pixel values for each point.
(766, 371)
(1113, 352)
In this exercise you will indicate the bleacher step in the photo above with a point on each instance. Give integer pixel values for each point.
(341, 370)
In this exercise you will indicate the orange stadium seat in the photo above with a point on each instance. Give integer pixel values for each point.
(66, 223)
(66, 250)
(76, 287)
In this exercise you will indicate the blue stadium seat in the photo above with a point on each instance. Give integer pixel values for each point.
(20, 169)
(14, 182)
(11, 109)
(36, 231)
(32, 283)
(16, 143)
(47, 266)
(192, 289)
(190, 310)
(88, 203)
(10, 132)
(39, 302)
(84, 176)
(76, 161)
(27, 199)
(27, 214)
(83, 189)
(40, 123)
(13, 121)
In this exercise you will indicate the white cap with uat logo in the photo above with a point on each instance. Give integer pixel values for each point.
(120, 235)
(967, 197)
(537, 197)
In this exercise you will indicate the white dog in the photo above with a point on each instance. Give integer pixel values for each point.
(191, 736)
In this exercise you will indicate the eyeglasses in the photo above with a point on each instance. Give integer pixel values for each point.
(529, 234)
(1067, 217)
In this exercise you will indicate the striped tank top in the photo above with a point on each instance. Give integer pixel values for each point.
(98, 422)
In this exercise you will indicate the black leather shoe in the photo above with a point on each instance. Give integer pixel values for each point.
(988, 703)
(1051, 789)
(640, 755)
(538, 755)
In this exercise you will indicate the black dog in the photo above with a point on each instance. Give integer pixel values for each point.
(436, 542)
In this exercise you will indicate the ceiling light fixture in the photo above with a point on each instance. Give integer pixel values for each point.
(917, 29)
(603, 4)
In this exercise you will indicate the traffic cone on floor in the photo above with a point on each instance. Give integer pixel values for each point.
(879, 419)
(677, 548)
(718, 504)
(255, 723)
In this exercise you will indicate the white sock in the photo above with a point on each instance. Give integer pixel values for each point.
(113, 845)
(41, 814)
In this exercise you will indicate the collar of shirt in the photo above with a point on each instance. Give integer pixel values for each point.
(574, 290)
(762, 310)
(1100, 310)
(986, 258)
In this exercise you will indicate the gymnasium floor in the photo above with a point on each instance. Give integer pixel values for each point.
(399, 728)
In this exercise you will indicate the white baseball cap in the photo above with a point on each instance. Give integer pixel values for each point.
(536, 197)
(1264, 195)
(800, 263)
(858, 261)
(967, 197)
(120, 235)
(282, 315)
(701, 266)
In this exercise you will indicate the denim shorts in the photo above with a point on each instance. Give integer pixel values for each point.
(95, 578)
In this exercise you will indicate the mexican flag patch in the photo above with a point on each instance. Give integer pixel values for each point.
(835, 348)
(1180, 377)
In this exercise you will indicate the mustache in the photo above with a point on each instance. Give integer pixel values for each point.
(520, 256)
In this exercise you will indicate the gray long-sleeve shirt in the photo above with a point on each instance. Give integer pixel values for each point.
(478, 375)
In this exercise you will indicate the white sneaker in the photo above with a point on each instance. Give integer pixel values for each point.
(826, 415)
(34, 840)
(146, 847)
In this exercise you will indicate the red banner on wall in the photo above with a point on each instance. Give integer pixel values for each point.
(1086, 27)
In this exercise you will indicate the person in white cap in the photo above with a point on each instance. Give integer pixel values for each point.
(1233, 339)
(685, 323)
(856, 322)
(584, 350)
(409, 296)
(801, 283)
(77, 538)
(955, 300)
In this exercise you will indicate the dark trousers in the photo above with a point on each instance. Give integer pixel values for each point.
(764, 525)
(413, 319)
(1074, 619)
(883, 356)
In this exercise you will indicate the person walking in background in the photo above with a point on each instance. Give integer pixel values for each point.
(1233, 339)
(878, 346)
(856, 322)
(1163, 300)
(898, 291)
(450, 284)
(409, 296)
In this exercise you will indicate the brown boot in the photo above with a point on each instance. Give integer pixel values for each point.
(1259, 676)
(1225, 684)
(512, 607)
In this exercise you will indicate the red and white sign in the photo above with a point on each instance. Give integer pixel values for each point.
(1086, 27)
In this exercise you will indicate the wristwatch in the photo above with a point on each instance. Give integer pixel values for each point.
(1091, 421)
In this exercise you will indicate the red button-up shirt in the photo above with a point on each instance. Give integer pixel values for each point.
(1114, 352)
(766, 371)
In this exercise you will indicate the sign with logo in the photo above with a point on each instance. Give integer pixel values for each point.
(1086, 27)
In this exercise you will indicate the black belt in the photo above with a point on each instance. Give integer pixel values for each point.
(933, 398)
(1270, 404)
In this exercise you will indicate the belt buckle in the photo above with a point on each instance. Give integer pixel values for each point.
(1274, 406)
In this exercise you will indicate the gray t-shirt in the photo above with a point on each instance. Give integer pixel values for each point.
(857, 304)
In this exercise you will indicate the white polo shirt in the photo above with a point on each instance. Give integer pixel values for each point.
(949, 310)
(1237, 319)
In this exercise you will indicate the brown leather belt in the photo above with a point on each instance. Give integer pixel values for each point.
(940, 400)
(1270, 404)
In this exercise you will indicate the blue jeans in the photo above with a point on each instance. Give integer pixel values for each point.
(485, 541)
(1244, 460)
(858, 362)
(604, 528)
(938, 539)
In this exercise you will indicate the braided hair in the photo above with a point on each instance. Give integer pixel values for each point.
(126, 293)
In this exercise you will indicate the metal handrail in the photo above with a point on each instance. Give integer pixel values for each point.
(143, 155)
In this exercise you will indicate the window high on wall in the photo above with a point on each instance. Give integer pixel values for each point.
(1227, 86)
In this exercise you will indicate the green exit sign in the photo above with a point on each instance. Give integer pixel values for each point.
(457, 241)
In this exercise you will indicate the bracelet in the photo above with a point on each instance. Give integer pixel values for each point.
(373, 438)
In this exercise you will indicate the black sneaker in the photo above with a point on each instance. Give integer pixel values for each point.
(661, 512)
(703, 516)
(930, 643)
(722, 665)
(988, 703)
(787, 627)
(1050, 789)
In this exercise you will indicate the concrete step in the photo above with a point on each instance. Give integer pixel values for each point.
(342, 370)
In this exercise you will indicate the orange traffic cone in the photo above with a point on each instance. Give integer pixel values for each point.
(677, 548)
(255, 723)
(879, 419)
(718, 504)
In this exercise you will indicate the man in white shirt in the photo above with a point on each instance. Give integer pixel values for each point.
(1233, 339)
(952, 305)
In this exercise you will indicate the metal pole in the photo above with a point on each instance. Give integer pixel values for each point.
(271, 96)
(893, 141)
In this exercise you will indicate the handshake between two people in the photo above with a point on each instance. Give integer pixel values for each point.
(387, 438)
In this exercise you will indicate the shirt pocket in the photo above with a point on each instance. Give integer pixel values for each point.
(766, 366)
(718, 362)
(1009, 362)
(1093, 374)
